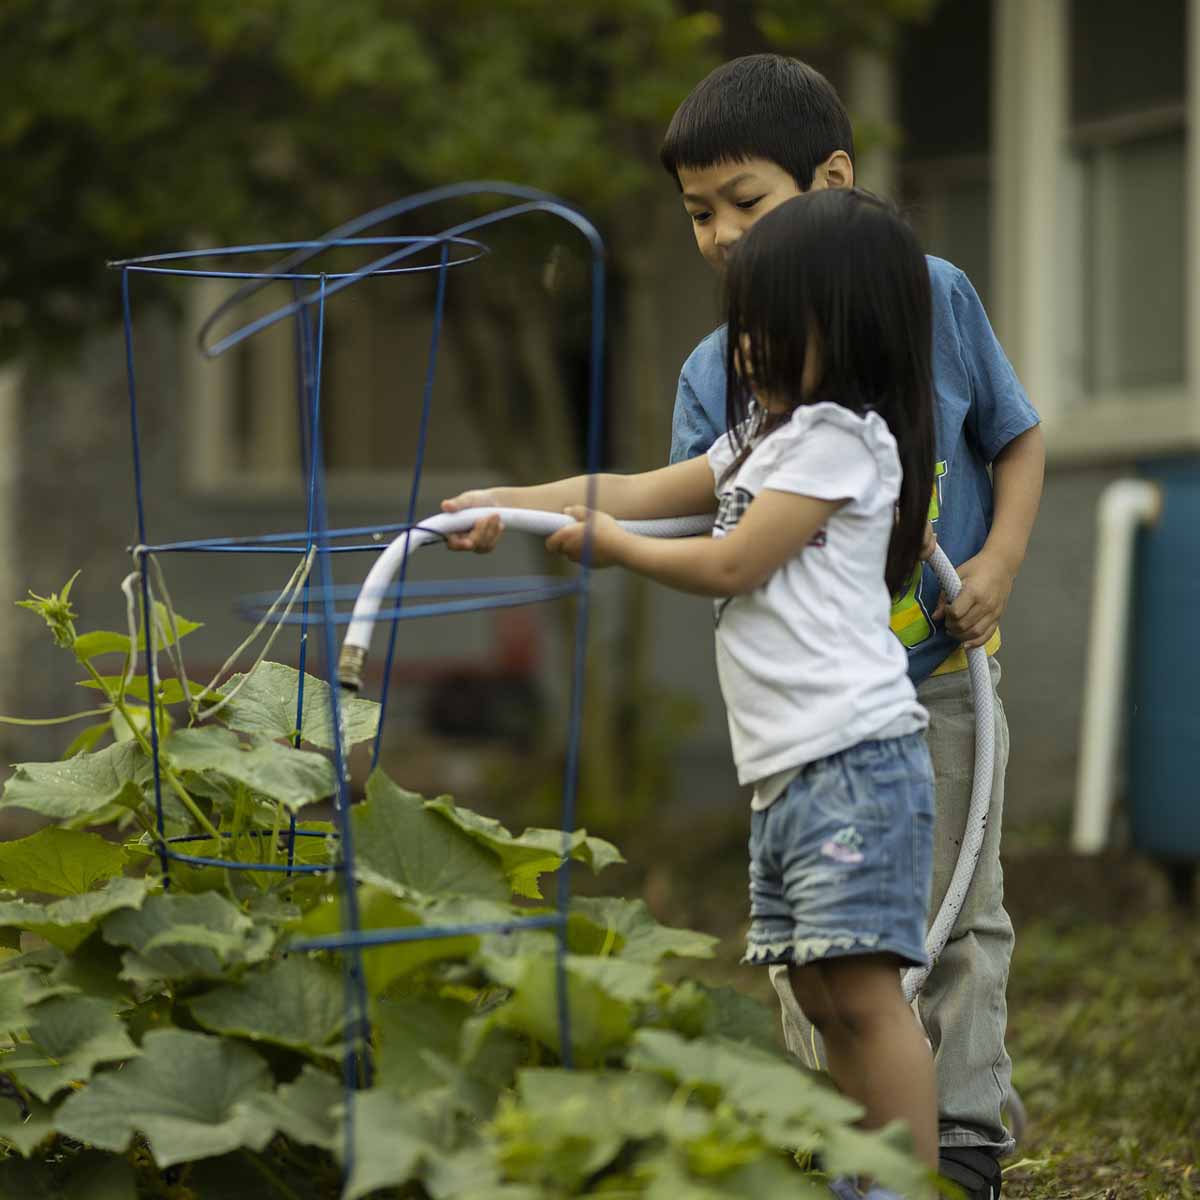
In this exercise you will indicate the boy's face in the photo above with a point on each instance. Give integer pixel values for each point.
(725, 199)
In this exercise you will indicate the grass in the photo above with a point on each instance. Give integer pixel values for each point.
(1104, 1032)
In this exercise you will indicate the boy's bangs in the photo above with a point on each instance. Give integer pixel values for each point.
(761, 106)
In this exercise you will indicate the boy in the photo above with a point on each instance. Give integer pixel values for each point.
(754, 132)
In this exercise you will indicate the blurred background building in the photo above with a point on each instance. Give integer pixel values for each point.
(1041, 145)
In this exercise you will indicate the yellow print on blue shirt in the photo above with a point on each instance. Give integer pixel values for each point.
(911, 621)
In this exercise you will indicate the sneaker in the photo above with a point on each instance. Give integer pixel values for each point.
(844, 1189)
(975, 1170)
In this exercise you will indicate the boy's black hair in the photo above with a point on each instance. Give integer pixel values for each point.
(837, 273)
(760, 106)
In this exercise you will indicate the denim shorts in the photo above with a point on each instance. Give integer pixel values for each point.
(841, 862)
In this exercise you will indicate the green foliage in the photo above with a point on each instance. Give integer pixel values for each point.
(59, 862)
(149, 1028)
(266, 704)
(125, 128)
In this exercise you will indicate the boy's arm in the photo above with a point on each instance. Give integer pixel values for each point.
(1005, 428)
(692, 427)
(774, 528)
(1017, 475)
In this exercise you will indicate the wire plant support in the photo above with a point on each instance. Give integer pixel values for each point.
(312, 601)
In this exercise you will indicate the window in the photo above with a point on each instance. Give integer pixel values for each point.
(945, 118)
(1128, 142)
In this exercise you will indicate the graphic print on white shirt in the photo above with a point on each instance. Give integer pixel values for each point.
(730, 510)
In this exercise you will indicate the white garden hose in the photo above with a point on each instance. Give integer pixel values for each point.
(375, 587)
(366, 608)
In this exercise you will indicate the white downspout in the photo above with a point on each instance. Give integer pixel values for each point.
(1125, 506)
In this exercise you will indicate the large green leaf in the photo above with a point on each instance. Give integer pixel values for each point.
(563, 1126)
(765, 1176)
(189, 1094)
(266, 704)
(393, 1138)
(636, 935)
(293, 777)
(78, 786)
(294, 1002)
(380, 909)
(69, 1037)
(25, 1133)
(94, 969)
(417, 1041)
(532, 853)
(60, 862)
(789, 1108)
(20, 989)
(66, 923)
(601, 1021)
(176, 937)
(885, 1154)
(399, 841)
(695, 1009)
(307, 1110)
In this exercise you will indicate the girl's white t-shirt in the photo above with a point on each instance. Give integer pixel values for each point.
(808, 663)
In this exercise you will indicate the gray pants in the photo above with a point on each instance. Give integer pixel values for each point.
(962, 1005)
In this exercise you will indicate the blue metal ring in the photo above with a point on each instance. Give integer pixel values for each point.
(147, 263)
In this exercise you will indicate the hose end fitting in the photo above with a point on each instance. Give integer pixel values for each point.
(350, 667)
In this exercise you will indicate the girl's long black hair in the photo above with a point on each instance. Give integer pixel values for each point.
(838, 273)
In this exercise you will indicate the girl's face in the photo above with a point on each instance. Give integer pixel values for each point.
(771, 401)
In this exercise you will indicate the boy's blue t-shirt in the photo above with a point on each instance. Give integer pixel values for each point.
(980, 407)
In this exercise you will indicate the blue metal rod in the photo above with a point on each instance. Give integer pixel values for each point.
(422, 933)
(439, 308)
(538, 202)
(151, 689)
(251, 833)
(230, 864)
(301, 535)
(436, 587)
(445, 608)
(426, 241)
(356, 1069)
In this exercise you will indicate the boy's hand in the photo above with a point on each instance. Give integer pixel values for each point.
(974, 615)
(606, 536)
(482, 538)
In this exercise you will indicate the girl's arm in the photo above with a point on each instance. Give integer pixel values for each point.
(680, 490)
(774, 528)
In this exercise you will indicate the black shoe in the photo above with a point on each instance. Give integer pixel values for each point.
(975, 1170)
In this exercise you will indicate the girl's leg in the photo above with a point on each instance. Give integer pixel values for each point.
(877, 1052)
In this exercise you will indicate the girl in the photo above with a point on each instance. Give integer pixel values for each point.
(821, 491)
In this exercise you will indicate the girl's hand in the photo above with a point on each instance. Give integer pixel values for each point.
(484, 535)
(606, 537)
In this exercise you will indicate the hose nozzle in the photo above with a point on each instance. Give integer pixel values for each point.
(350, 667)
